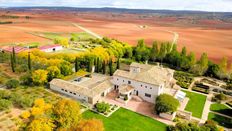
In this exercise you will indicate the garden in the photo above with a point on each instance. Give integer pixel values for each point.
(221, 108)
(105, 109)
(200, 87)
(126, 120)
(183, 79)
(195, 104)
(221, 120)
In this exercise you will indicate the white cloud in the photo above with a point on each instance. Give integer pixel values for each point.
(204, 5)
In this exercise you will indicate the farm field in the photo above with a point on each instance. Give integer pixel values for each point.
(213, 37)
(126, 120)
(195, 104)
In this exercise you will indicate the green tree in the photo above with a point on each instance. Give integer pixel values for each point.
(142, 53)
(77, 65)
(118, 63)
(29, 61)
(104, 67)
(223, 65)
(111, 67)
(90, 65)
(162, 52)
(192, 59)
(154, 51)
(26, 79)
(14, 55)
(184, 51)
(12, 63)
(166, 103)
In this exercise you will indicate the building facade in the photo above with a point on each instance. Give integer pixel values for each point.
(148, 81)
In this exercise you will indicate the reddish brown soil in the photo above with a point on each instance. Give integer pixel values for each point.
(211, 36)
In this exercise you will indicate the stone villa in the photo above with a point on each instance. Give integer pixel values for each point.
(142, 80)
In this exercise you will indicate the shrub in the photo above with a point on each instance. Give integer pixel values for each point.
(102, 107)
(166, 103)
(4, 94)
(26, 79)
(183, 79)
(212, 125)
(5, 104)
(220, 96)
(12, 83)
(22, 68)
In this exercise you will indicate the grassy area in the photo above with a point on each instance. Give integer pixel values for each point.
(221, 108)
(82, 36)
(125, 120)
(222, 121)
(196, 103)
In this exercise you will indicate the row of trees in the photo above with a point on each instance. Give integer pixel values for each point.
(168, 53)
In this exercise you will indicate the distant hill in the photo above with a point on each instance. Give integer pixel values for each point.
(223, 16)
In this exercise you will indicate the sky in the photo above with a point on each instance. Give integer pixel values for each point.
(201, 5)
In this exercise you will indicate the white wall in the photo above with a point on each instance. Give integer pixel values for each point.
(51, 49)
(153, 90)
(77, 96)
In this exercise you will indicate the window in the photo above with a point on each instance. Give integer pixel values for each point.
(145, 86)
(74, 93)
(70, 92)
(150, 87)
(147, 95)
(129, 82)
(62, 89)
(66, 91)
(123, 80)
(141, 85)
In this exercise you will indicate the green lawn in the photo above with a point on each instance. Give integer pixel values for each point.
(125, 120)
(81, 36)
(195, 104)
(222, 121)
(221, 108)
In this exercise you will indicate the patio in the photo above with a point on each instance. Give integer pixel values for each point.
(136, 105)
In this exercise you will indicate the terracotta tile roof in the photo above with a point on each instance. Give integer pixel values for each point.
(49, 46)
(17, 49)
(89, 92)
(148, 74)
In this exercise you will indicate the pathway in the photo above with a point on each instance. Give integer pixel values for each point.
(206, 109)
(175, 39)
(88, 31)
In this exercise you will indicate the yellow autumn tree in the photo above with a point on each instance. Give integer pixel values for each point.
(41, 124)
(39, 77)
(67, 113)
(90, 125)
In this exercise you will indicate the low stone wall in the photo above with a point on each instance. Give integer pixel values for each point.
(184, 114)
(168, 116)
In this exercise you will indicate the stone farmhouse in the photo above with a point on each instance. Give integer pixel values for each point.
(142, 80)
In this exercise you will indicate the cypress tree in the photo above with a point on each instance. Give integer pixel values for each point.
(14, 56)
(29, 61)
(90, 65)
(97, 65)
(76, 65)
(104, 67)
(12, 63)
(111, 67)
(118, 63)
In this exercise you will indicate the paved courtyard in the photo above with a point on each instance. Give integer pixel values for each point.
(142, 107)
